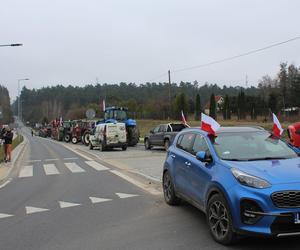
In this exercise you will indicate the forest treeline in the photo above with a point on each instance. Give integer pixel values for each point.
(161, 100)
(6, 115)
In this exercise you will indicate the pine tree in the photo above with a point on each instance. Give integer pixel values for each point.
(226, 108)
(212, 107)
(181, 104)
(197, 107)
(273, 102)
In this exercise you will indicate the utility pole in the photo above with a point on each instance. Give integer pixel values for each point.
(246, 81)
(170, 104)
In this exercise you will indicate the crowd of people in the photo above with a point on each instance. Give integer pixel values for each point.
(6, 136)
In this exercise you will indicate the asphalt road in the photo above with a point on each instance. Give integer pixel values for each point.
(62, 200)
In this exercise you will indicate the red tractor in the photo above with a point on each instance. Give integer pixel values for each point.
(294, 134)
(80, 132)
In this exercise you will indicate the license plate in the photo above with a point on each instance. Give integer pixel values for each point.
(297, 218)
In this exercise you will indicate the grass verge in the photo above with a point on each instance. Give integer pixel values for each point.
(146, 125)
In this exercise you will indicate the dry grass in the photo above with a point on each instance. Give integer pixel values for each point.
(146, 125)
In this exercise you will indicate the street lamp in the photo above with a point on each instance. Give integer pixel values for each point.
(11, 45)
(19, 99)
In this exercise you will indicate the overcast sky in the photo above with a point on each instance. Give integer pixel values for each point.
(76, 41)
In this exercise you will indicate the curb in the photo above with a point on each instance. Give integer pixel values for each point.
(18, 151)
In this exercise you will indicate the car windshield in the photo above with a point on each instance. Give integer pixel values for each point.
(247, 146)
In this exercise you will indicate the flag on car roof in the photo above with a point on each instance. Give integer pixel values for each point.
(277, 128)
(183, 119)
(209, 124)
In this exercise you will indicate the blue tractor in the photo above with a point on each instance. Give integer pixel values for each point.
(119, 114)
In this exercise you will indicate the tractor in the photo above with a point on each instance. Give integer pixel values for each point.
(80, 131)
(119, 114)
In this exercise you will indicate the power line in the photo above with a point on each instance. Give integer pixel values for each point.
(230, 58)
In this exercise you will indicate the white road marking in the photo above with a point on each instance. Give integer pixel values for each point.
(74, 168)
(5, 183)
(5, 215)
(32, 210)
(71, 158)
(50, 169)
(98, 200)
(97, 166)
(27, 171)
(139, 184)
(32, 161)
(124, 196)
(51, 159)
(64, 204)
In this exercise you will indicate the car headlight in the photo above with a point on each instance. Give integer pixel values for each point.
(249, 180)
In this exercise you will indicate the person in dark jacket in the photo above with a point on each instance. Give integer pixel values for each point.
(8, 138)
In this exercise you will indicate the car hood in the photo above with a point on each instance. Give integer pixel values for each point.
(273, 171)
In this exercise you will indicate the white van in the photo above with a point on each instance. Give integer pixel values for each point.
(109, 135)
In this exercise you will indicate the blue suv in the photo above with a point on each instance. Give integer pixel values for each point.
(244, 180)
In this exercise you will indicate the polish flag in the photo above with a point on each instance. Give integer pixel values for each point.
(209, 124)
(277, 129)
(183, 119)
(103, 105)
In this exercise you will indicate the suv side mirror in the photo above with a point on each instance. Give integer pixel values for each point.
(204, 157)
(151, 131)
(201, 156)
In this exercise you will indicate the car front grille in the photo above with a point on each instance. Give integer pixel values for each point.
(286, 199)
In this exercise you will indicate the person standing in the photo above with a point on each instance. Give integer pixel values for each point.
(2, 133)
(8, 138)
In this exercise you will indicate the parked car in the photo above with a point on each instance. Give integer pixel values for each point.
(163, 135)
(244, 180)
(108, 135)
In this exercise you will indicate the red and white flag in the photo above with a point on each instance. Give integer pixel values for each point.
(103, 105)
(209, 124)
(183, 119)
(277, 129)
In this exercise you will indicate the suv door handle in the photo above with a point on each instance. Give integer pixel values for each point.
(173, 156)
(188, 163)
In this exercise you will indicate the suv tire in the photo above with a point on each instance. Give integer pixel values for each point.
(168, 188)
(219, 220)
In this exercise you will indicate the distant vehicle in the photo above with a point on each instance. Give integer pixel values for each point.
(65, 131)
(78, 131)
(163, 135)
(108, 135)
(245, 180)
(120, 114)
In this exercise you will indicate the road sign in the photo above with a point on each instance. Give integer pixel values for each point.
(90, 114)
